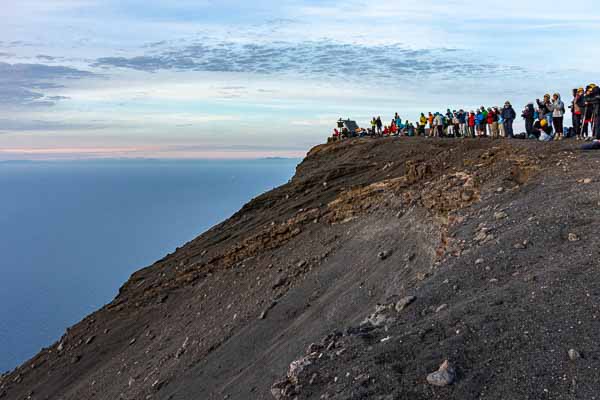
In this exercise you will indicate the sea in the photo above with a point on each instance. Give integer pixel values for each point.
(72, 232)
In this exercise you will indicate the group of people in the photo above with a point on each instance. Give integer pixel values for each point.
(544, 120)
(395, 128)
(493, 122)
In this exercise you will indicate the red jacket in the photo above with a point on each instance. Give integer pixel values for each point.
(471, 119)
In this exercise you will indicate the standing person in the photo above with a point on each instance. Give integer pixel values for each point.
(430, 119)
(546, 108)
(439, 123)
(558, 112)
(450, 122)
(462, 123)
(501, 130)
(379, 126)
(509, 115)
(471, 123)
(529, 117)
(422, 123)
(398, 122)
(492, 121)
(373, 126)
(578, 110)
(479, 118)
(433, 126)
(592, 101)
(456, 123)
(484, 122)
(572, 108)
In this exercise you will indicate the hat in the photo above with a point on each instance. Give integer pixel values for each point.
(507, 103)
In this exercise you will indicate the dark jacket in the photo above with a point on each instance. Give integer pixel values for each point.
(545, 108)
(528, 113)
(508, 113)
(593, 100)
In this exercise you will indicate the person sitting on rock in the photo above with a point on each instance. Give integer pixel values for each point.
(542, 130)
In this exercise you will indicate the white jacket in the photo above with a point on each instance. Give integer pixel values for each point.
(559, 108)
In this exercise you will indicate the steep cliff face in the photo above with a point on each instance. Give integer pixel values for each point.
(377, 262)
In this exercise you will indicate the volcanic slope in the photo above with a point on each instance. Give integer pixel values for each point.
(377, 262)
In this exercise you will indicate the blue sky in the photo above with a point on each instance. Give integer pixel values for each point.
(156, 78)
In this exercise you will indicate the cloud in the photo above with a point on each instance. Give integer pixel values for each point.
(22, 125)
(20, 84)
(320, 59)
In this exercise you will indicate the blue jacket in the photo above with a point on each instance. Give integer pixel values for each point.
(462, 118)
(479, 118)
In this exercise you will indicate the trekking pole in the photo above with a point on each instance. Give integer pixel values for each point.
(593, 134)
(584, 115)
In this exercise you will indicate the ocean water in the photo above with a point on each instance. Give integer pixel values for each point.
(72, 232)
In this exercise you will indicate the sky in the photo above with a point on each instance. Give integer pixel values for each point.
(246, 79)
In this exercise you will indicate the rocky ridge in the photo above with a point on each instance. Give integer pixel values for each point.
(384, 269)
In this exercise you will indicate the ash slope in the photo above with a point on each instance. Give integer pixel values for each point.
(495, 239)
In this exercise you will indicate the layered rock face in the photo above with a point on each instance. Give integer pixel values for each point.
(385, 269)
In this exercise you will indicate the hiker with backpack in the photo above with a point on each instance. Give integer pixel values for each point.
(480, 122)
(508, 115)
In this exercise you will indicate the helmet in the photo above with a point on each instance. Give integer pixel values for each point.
(544, 122)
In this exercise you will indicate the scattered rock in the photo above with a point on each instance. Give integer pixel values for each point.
(574, 355)
(132, 341)
(573, 237)
(441, 308)
(60, 347)
(520, 246)
(297, 367)
(384, 254)
(587, 181)
(479, 261)
(500, 190)
(281, 280)
(444, 376)
(379, 317)
(90, 339)
(500, 215)
(265, 312)
(467, 195)
(405, 302)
